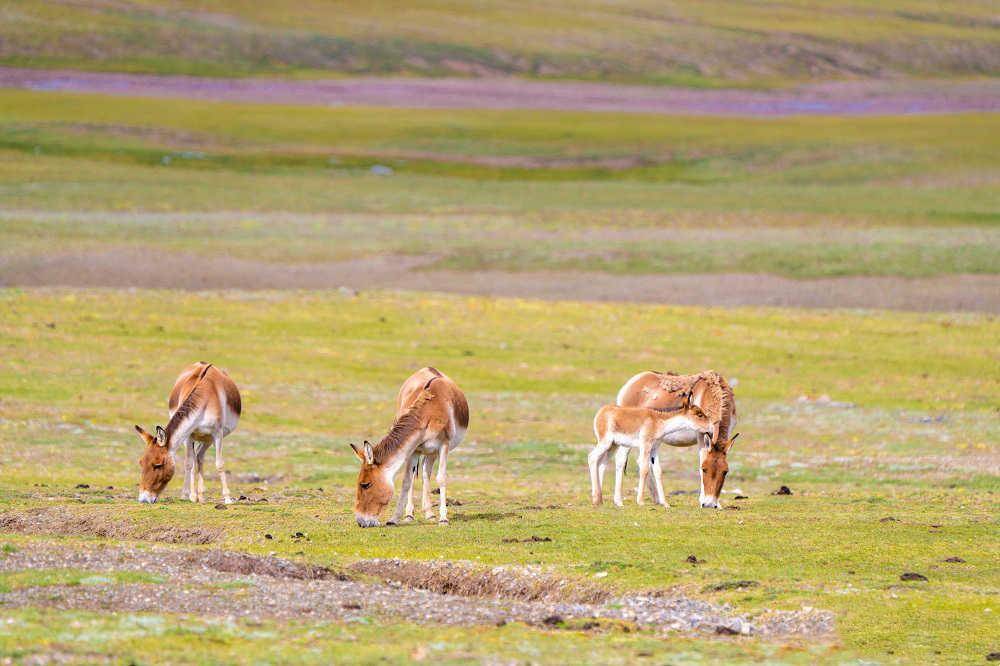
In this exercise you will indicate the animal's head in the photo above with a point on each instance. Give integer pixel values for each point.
(714, 468)
(156, 465)
(374, 487)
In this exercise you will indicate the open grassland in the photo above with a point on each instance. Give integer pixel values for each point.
(687, 43)
(802, 197)
(895, 473)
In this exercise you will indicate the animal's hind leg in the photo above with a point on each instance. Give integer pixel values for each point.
(621, 460)
(426, 465)
(442, 479)
(405, 493)
(220, 467)
(414, 464)
(599, 453)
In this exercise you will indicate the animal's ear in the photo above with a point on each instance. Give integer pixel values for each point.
(731, 440)
(146, 437)
(369, 453)
(161, 436)
(707, 441)
(357, 452)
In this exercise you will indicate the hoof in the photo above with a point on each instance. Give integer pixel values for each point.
(443, 521)
(620, 505)
(391, 522)
(408, 519)
(228, 500)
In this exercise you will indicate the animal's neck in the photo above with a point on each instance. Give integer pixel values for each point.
(395, 459)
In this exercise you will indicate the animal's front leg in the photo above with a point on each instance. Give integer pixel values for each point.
(643, 475)
(192, 477)
(200, 465)
(220, 467)
(659, 496)
(188, 467)
(442, 480)
(405, 497)
(425, 491)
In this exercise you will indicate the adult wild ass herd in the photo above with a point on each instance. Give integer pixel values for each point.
(432, 416)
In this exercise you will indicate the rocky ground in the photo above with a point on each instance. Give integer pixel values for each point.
(228, 584)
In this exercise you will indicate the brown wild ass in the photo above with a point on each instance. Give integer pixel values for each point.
(204, 407)
(620, 429)
(710, 391)
(432, 417)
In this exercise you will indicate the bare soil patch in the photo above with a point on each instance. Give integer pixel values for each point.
(461, 579)
(142, 268)
(202, 583)
(847, 98)
(55, 520)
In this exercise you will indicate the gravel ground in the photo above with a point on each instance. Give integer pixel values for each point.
(843, 98)
(272, 588)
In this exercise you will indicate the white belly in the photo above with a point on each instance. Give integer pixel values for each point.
(681, 437)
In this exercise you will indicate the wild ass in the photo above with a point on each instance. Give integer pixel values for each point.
(619, 429)
(204, 407)
(710, 391)
(432, 417)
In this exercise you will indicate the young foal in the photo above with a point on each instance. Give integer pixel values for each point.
(625, 428)
(204, 407)
(710, 391)
(431, 419)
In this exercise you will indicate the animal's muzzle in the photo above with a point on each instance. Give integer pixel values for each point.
(365, 521)
(146, 497)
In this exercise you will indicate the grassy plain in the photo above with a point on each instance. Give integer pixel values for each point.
(510, 190)
(917, 443)
(720, 43)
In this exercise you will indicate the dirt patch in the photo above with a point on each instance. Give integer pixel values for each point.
(61, 521)
(126, 267)
(227, 584)
(520, 583)
(241, 563)
(847, 98)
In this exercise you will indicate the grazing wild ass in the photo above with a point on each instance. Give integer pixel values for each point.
(204, 407)
(619, 429)
(709, 391)
(432, 416)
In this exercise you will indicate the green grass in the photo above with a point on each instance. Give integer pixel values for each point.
(15, 580)
(686, 43)
(320, 370)
(509, 190)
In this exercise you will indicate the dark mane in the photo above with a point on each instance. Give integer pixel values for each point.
(404, 426)
(185, 408)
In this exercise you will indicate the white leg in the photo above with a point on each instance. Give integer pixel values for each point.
(200, 463)
(621, 460)
(442, 480)
(643, 474)
(425, 491)
(602, 468)
(220, 467)
(659, 496)
(405, 497)
(193, 472)
(188, 467)
(599, 453)
(414, 464)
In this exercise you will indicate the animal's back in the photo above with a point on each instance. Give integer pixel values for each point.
(447, 408)
(223, 392)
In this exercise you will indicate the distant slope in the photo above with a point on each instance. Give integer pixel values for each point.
(691, 42)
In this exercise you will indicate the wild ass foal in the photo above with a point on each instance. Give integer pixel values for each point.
(619, 429)
(710, 391)
(204, 407)
(432, 416)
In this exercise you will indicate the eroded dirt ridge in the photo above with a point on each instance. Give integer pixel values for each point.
(222, 583)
